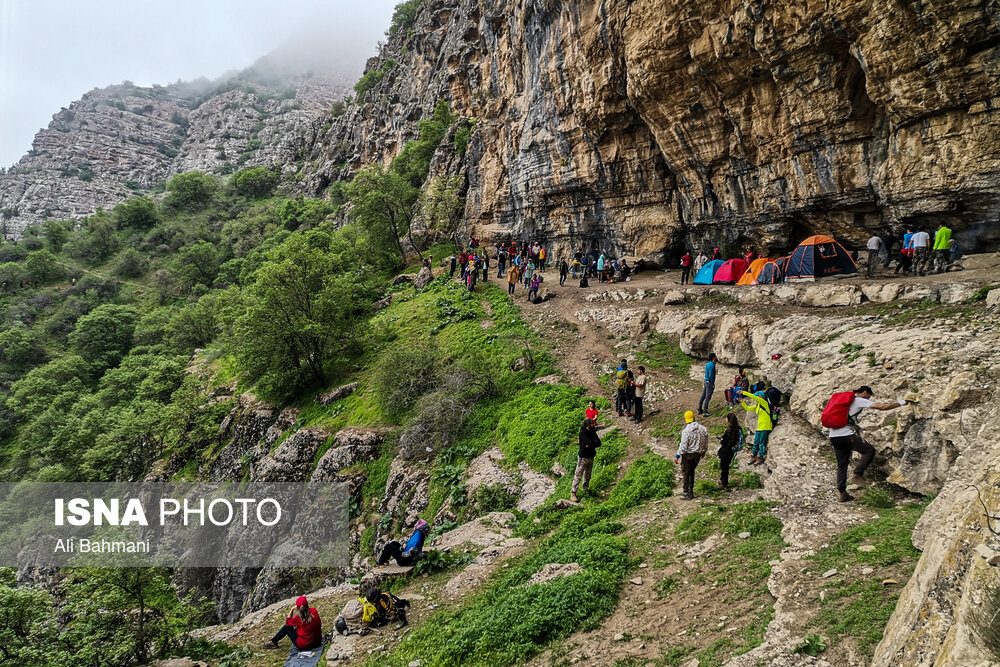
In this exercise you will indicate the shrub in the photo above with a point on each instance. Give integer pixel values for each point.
(191, 191)
(140, 214)
(254, 182)
(403, 374)
(130, 263)
(403, 16)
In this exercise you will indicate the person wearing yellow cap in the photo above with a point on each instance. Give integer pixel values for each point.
(692, 448)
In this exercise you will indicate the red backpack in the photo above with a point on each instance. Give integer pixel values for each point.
(835, 414)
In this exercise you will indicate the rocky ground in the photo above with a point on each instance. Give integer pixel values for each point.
(711, 600)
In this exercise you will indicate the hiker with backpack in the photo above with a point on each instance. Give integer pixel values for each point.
(841, 416)
(765, 424)
(690, 451)
(589, 442)
(621, 388)
(709, 386)
(302, 626)
(730, 444)
(388, 608)
(412, 552)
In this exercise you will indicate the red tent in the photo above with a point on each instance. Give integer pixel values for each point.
(730, 271)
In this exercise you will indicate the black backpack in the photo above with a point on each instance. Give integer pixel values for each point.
(583, 282)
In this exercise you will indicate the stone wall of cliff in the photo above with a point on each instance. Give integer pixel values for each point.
(642, 126)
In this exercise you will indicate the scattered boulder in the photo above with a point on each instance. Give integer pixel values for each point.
(825, 295)
(554, 571)
(555, 378)
(485, 531)
(993, 298)
(350, 446)
(382, 304)
(293, 458)
(404, 278)
(674, 297)
(534, 490)
(423, 278)
(340, 392)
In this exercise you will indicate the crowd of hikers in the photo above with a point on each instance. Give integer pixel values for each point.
(523, 263)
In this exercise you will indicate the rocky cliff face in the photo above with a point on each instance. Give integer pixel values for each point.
(643, 126)
(115, 141)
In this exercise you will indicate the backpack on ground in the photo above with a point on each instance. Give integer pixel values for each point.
(835, 414)
(584, 282)
(368, 611)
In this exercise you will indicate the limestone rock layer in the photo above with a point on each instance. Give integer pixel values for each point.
(642, 126)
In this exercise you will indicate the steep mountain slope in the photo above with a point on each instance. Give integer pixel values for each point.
(641, 126)
(118, 140)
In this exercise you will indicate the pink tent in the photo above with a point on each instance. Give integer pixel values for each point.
(730, 271)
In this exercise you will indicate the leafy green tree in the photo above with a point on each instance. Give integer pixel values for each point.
(255, 182)
(130, 263)
(197, 263)
(43, 266)
(104, 335)
(56, 233)
(121, 616)
(300, 212)
(383, 206)
(195, 324)
(28, 627)
(97, 240)
(21, 348)
(11, 275)
(32, 393)
(139, 214)
(191, 191)
(301, 315)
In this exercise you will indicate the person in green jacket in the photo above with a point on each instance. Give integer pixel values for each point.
(758, 404)
(942, 248)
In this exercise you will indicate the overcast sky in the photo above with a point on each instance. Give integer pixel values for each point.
(53, 51)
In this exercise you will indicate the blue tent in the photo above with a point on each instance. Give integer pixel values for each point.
(707, 273)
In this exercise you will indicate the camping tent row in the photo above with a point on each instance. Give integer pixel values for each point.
(816, 257)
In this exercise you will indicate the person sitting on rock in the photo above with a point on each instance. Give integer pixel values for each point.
(388, 608)
(412, 552)
(740, 383)
(302, 626)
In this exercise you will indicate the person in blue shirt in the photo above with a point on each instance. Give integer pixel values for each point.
(709, 387)
(413, 550)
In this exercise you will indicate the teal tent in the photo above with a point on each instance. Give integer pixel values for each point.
(707, 273)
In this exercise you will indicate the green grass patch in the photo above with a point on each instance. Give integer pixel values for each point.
(510, 621)
(858, 606)
(663, 353)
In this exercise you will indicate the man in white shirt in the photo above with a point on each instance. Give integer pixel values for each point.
(921, 242)
(848, 438)
(874, 247)
(640, 393)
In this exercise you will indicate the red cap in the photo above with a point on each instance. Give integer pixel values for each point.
(302, 601)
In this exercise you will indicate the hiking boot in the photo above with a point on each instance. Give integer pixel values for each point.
(269, 645)
(845, 497)
(857, 480)
(628, 414)
(573, 498)
(753, 460)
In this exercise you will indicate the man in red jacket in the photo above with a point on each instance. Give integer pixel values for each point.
(303, 627)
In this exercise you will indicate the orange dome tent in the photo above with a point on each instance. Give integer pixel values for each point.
(750, 277)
